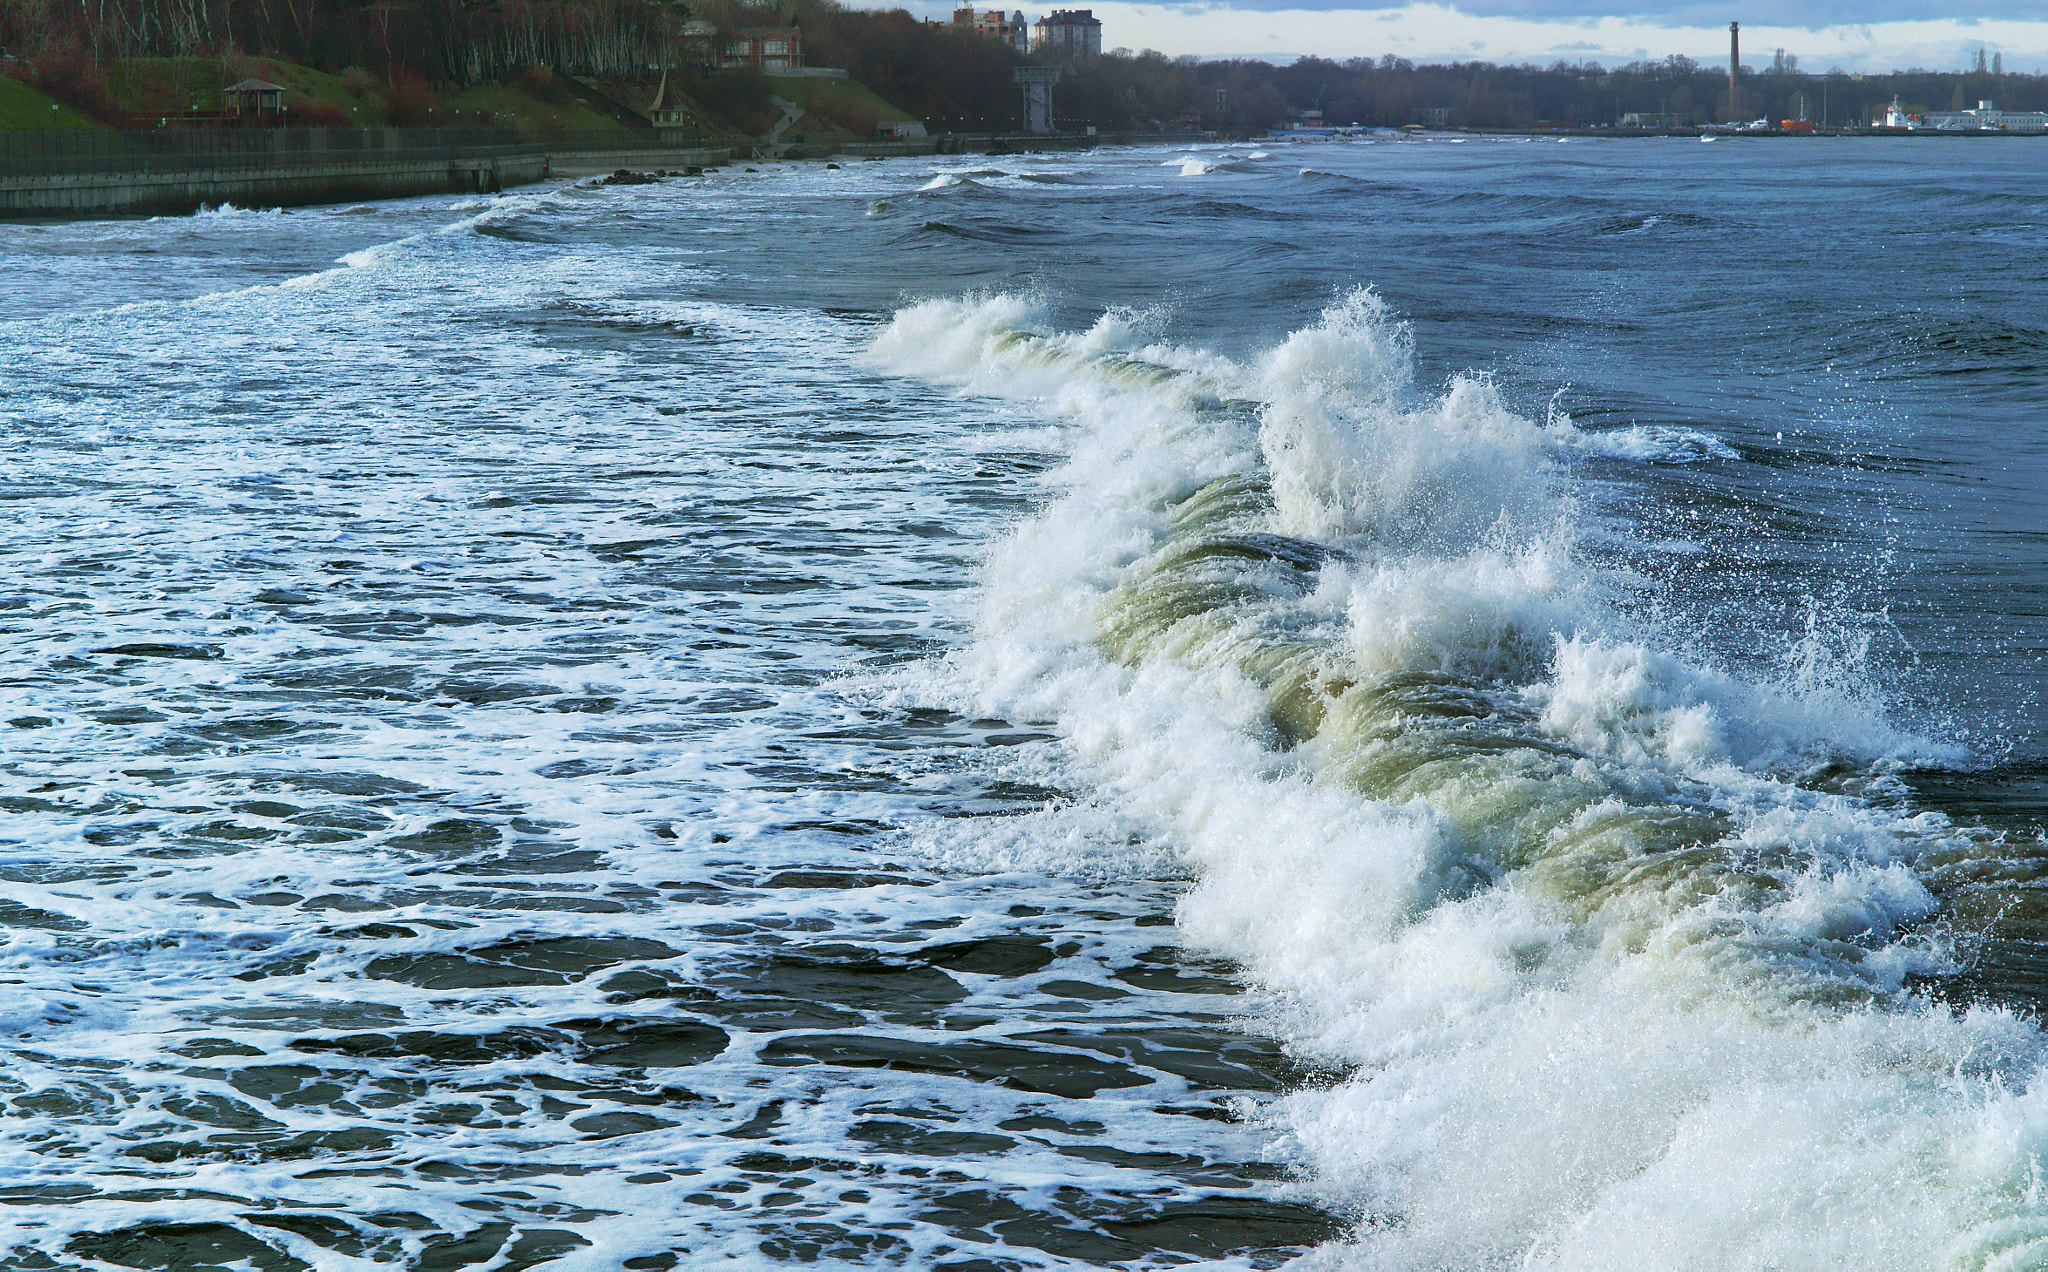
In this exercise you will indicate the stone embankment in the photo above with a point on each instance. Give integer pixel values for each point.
(76, 175)
(91, 174)
(82, 175)
(99, 194)
(591, 163)
(978, 144)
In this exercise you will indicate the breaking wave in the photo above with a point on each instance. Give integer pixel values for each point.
(1196, 166)
(1616, 949)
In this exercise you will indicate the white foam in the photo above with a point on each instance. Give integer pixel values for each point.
(1196, 166)
(1652, 443)
(230, 212)
(1628, 1052)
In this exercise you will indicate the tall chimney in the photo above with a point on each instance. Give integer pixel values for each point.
(1734, 65)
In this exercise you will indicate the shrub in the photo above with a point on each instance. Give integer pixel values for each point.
(408, 101)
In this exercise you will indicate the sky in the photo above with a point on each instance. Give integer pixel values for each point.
(1870, 35)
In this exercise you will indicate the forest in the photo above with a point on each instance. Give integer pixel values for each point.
(410, 51)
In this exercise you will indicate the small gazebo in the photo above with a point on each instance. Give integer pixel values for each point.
(669, 109)
(253, 97)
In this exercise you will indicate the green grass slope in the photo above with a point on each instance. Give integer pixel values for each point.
(170, 87)
(507, 105)
(23, 109)
(734, 103)
(173, 86)
(843, 103)
(358, 106)
(738, 103)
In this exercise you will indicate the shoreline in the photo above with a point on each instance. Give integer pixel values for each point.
(139, 183)
(173, 185)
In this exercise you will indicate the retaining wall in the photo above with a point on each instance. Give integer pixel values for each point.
(172, 172)
(593, 163)
(137, 174)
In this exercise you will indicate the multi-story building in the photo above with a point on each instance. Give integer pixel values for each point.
(1006, 28)
(1987, 118)
(768, 49)
(1068, 33)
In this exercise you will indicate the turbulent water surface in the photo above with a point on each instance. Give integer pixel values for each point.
(1398, 705)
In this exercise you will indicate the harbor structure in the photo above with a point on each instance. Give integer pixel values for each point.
(1986, 117)
(1037, 82)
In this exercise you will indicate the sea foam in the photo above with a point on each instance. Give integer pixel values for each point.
(1612, 987)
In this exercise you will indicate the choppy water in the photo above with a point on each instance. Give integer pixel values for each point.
(1443, 705)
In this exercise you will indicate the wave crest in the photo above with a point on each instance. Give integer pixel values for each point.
(1554, 894)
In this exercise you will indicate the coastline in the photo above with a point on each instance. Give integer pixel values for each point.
(59, 187)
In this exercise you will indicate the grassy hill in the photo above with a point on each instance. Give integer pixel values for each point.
(840, 103)
(23, 109)
(169, 87)
(738, 103)
(729, 104)
(527, 105)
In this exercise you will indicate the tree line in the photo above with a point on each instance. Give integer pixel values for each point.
(952, 79)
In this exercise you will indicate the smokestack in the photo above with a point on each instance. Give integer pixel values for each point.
(1734, 65)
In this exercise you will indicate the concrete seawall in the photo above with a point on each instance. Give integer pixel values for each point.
(593, 163)
(331, 181)
(321, 179)
(979, 144)
(143, 174)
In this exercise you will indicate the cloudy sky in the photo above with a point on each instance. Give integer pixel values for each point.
(1873, 35)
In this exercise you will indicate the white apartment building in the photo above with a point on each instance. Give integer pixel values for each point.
(1068, 33)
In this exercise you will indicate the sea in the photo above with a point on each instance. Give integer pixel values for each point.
(1396, 704)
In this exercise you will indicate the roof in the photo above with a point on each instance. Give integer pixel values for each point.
(665, 98)
(254, 86)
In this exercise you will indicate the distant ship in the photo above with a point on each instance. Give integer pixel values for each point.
(1897, 120)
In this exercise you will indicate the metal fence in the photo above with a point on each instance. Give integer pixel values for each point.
(192, 149)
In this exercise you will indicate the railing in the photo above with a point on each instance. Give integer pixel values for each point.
(194, 149)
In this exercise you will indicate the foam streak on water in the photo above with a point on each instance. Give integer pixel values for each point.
(443, 831)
